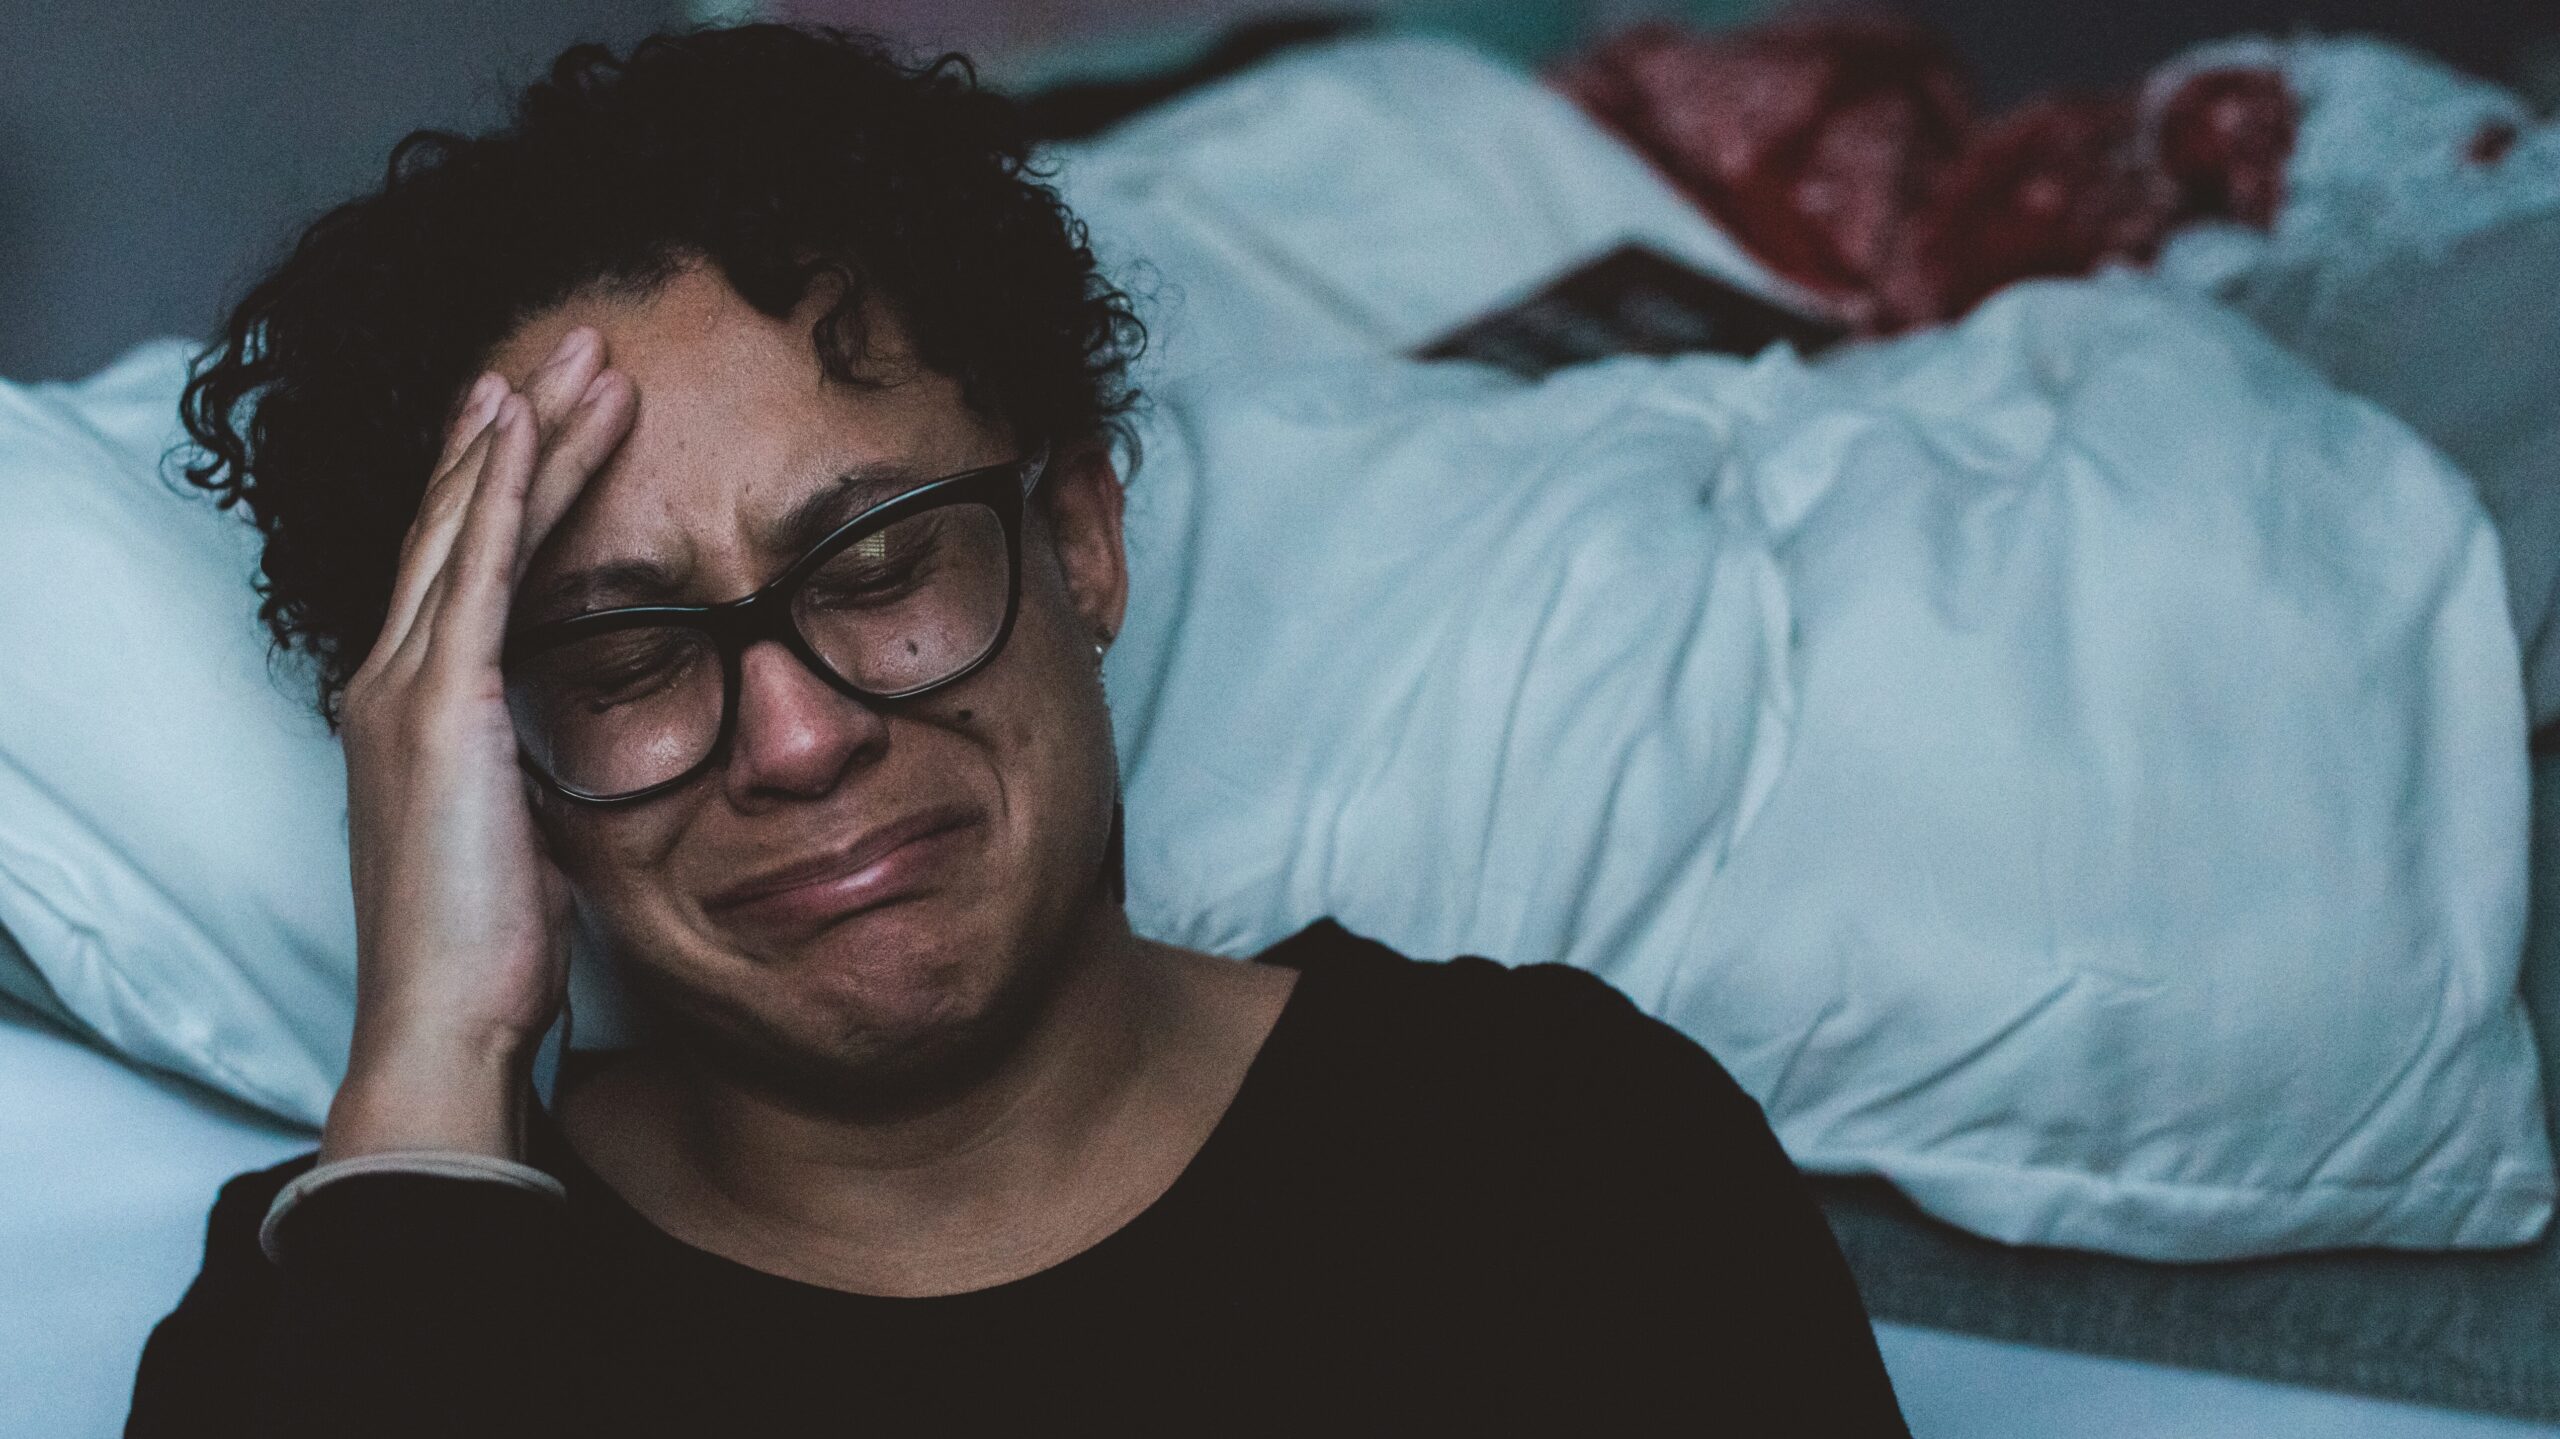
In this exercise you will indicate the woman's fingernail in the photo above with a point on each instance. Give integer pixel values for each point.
(573, 346)
(481, 405)
(595, 388)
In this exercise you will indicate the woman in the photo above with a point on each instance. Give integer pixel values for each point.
(700, 498)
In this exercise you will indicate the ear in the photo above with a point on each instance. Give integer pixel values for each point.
(1083, 509)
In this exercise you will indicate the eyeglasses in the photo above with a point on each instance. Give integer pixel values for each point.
(914, 593)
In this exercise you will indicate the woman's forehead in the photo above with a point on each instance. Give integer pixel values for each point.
(737, 429)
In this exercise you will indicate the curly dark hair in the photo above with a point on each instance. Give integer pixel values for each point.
(781, 155)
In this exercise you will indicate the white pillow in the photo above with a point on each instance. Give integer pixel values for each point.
(1367, 197)
(2071, 765)
(173, 849)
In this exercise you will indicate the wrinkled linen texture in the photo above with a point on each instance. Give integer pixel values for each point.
(2071, 765)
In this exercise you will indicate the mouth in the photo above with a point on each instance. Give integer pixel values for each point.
(880, 866)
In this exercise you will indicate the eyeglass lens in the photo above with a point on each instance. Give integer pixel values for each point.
(900, 609)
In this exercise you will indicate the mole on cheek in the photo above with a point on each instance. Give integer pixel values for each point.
(964, 716)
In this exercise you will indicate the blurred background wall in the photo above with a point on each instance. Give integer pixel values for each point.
(156, 154)
(2015, 46)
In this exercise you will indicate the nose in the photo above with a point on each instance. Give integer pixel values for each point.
(797, 737)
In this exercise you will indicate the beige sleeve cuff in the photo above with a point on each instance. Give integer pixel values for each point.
(446, 1164)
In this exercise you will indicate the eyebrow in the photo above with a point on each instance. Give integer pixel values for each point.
(825, 509)
(616, 583)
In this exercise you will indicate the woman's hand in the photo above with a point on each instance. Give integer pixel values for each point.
(461, 919)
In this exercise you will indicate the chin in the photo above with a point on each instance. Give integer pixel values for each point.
(897, 1008)
(899, 966)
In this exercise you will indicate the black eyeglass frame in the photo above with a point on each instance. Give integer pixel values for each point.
(733, 625)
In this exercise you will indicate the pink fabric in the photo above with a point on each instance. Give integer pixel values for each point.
(1846, 154)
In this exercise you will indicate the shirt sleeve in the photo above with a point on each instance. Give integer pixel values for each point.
(1720, 1291)
(405, 1304)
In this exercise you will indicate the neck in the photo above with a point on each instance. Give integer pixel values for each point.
(1080, 1125)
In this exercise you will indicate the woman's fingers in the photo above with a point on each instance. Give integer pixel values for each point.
(555, 387)
(585, 440)
(533, 475)
(430, 537)
(462, 620)
(558, 394)
(552, 388)
(479, 406)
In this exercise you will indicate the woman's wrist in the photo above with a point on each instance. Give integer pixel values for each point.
(464, 1094)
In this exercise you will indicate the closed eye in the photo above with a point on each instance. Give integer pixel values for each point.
(879, 568)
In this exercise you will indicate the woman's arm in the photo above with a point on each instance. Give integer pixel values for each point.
(404, 1304)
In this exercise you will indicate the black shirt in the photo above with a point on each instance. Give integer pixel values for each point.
(1446, 1196)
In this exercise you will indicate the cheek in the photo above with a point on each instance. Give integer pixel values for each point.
(1025, 719)
(1028, 719)
(1049, 732)
(617, 860)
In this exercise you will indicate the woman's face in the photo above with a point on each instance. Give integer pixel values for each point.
(832, 981)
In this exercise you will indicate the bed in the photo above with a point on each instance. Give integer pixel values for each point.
(103, 1183)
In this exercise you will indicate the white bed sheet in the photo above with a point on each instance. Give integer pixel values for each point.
(106, 1174)
(1959, 1386)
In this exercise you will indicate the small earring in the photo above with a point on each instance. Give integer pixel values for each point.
(1098, 652)
(1115, 857)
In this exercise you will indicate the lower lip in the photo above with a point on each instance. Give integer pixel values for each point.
(890, 877)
